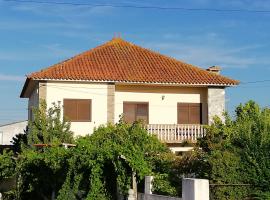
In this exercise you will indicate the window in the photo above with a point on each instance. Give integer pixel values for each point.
(78, 110)
(189, 113)
(135, 111)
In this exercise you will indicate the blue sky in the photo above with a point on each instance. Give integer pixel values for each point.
(34, 36)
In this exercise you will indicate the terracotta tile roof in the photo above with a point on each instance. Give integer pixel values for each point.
(122, 61)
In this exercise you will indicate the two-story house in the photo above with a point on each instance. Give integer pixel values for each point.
(120, 78)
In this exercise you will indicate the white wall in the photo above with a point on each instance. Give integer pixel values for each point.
(57, 92)
(195, 189)
(8, 131)
(160, 111)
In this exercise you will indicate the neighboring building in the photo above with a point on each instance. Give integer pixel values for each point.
(8, 131)
(118, 77)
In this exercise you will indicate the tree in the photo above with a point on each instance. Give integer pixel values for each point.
(99, 167)
(48, 127)
(237, 152)
(103, 163)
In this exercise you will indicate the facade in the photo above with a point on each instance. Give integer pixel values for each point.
(8, 131)
(118, 78)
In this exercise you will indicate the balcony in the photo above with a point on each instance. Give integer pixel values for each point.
(176, 133)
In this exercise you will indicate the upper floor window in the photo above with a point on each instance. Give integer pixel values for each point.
(78, 110)
(135, 111)
(189, 113)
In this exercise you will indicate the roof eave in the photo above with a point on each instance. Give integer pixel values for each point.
(139, 82)
(24, 88)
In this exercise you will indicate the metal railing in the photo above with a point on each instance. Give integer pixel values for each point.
(176, 133)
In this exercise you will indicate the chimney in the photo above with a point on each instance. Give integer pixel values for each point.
(214, 69)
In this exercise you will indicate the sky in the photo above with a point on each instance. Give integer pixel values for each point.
(36, 35)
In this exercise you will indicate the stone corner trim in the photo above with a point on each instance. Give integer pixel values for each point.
(42, 90)
(216, 103)
(110, 103)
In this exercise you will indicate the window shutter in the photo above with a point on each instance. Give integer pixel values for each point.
(84, 110)
(183, 114)
(142, 112)
(129, 112)
(78, 110)
(70, 109)
(195, 113)
(134, 111)
(189, 113)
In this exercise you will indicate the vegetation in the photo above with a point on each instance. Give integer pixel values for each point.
(48, 127)
(234, 154)
(98, 167)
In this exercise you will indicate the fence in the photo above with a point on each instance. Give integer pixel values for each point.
(192, 189)
(176, 133)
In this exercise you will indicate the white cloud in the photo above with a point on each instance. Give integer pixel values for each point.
(5, 77)
(210, 49)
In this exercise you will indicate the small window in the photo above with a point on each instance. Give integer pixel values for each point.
(189, 113)
(135, 111)
(78, 110)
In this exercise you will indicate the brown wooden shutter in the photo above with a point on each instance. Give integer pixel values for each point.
(183, 113)
(142, 112)
(84, 110)
(195, 113)
(129, 112)
(189, 113)
(70, 109)
(78, 109)
(135, 111)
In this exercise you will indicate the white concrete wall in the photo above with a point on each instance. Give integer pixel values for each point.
(160, 111)
(8, 131)
(195, 189)
(57, 92)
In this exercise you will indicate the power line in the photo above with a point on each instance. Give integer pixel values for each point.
(140, 6)
(258, 81)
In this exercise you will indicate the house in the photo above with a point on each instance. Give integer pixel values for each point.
(8, 131)
(96, 87)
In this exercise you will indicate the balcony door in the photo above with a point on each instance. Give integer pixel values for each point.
(135, 111)
(189, 113)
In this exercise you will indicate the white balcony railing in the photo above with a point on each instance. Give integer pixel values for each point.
(176, 133)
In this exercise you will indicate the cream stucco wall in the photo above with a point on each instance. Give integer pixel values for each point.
(58, 91)
(162, 100)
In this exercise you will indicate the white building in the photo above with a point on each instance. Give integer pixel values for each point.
(119, 78)
(8, 131)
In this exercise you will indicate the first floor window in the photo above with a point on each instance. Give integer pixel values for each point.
(78, 110)
(135, 111)
(189, 113)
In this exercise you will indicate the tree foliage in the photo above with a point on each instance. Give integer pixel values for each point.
(100, 166)
(7, 165)
(105, 161)
(48, 127)
(236, 152)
